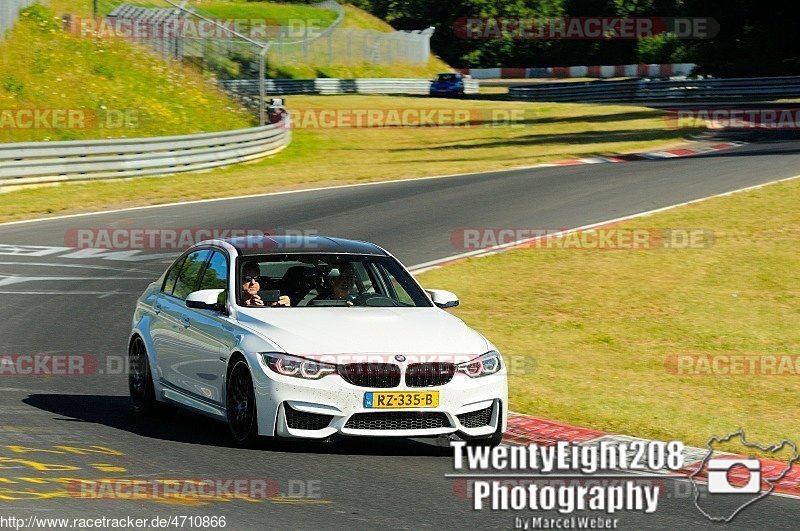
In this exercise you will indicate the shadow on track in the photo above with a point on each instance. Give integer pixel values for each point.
(186, 427)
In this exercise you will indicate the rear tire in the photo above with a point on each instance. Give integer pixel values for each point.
(140, 378)
(240, 404)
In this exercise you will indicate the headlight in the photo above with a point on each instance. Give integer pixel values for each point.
(286, 365)
(484, 365)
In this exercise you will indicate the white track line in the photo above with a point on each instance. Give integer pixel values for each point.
(434, 264)
(268, 194)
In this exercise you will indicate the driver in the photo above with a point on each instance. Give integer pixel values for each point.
(251, 285)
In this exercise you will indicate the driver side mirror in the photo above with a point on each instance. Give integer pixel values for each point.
(208, 299)
(443, 299)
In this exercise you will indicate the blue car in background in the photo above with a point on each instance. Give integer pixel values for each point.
(448, 84)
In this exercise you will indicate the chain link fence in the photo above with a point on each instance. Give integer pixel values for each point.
(347, 46)
(238, 40)
(9, 12)
(227, 39)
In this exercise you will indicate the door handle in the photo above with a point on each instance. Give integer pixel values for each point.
(157, 308)
(186, 322)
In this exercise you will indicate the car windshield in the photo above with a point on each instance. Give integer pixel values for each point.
(329, 280)
(447, 77)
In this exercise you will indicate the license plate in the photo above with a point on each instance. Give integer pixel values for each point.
(399, 399)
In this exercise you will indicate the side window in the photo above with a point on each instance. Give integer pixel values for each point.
(216, 275)
(187, 278)
(400, 291)
(172, 276)
(395, 288)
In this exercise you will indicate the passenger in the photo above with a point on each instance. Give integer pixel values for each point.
(340, 281)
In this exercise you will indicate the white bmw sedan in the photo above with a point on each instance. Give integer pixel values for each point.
(312, 337)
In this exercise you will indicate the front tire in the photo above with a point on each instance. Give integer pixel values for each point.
(140, 378)
(241, 405)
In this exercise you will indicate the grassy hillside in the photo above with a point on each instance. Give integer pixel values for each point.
(357, 18)
(281, 13)
(119, 89)
(273, 13)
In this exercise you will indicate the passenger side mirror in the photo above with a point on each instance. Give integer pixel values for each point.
(443, 299)
(208, 299)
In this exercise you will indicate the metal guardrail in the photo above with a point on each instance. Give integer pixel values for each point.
(9, 12)
(661, 90)
(249, 87)
(45, 162)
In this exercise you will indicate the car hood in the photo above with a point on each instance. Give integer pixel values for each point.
(356, 330)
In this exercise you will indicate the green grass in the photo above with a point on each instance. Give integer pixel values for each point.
(320, 157)
(595, 328)
(44, 67)
(273, 13)
(363, 70)
(359, 19)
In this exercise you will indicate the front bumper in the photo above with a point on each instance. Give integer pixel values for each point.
(447, 91)
(471, 407)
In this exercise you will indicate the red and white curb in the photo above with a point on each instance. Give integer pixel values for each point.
(604, 71)
(525, 429)
(664, 154)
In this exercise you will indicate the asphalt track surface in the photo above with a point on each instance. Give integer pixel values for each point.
(56, 303)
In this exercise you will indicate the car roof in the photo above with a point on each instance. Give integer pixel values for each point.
(266, 245)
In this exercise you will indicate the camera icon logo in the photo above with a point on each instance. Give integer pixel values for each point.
(747, 477)
(721, 473)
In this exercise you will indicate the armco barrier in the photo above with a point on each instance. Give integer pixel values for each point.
(9, 11)
(730, 89)
(340, 86)
(635, 70)
(44, 162)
